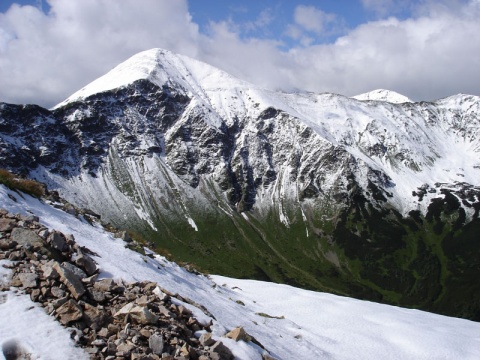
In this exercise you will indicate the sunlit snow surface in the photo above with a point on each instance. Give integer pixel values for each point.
(311, 325)
(383, 95)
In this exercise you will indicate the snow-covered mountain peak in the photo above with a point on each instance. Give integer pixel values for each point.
(160, 67)
(383, 95)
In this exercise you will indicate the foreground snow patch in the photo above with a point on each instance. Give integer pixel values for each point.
(25, 327)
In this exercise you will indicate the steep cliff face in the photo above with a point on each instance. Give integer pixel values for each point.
(359, 197)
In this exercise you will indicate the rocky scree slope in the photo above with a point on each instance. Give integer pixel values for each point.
(109, 319)
(366, 198)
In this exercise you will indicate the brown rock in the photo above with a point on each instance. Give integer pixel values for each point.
(138, 313)
(86, 263)
(26, 238)
(48, 270)
(7, 224)
(71, 281)
(104, 285)
(68, 312)
(6, 244)
(59, 302)
(35, 294)
(94, 317)
(124, 350)
(206, 339)
(57, 292)
(29, 280)
(238, 334)
(220, 352)
(104, 333)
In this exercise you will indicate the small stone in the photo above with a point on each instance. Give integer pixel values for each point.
(77, 271)
(71, 281)
(43, 233)
(57, 292)
(29, 218)
(29, 280)
(35, 294)
(124, 349)
(139, 313)
(167, 313)
(94, 317)
(145, 333)
(26, 238)
(58, 241)
(6, 244)
(7, 224)
(156, 343)
(124, 236)
(206, 339)
(59, 302)
(160, 294)
(183, 310)
(267, 356)
(97, 295)
(90, 280)
(238, 334)
(104, 333)
(220, 351)
(99, 343)
(48, 270)
(70, 239)
(70, 311)
(112, 328)
(143, 300)
(86, 263)
(104, 285)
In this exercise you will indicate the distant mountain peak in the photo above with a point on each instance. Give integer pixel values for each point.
(383, 95)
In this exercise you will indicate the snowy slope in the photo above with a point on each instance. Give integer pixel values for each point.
(383, 95)
(310, 325)
(411, 143)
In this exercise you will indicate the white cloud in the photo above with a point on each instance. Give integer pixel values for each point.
(310, 23)
(312, 19)
(45, 58)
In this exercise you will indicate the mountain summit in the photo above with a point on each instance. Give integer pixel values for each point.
(383, 95)
(372, 199)
(160, 67)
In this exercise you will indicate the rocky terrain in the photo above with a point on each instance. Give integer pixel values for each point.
(373, 199)
(108, 319)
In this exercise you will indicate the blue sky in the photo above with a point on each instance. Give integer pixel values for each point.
(267, 19)
(424, 49)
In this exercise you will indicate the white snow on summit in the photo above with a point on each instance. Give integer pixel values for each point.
(160, 67)
(383, 95)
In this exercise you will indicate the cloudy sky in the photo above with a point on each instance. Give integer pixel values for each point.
(424, 49)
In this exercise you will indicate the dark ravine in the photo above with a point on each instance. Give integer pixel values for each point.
(263, 195)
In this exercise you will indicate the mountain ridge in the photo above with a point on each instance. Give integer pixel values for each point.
(300, 188)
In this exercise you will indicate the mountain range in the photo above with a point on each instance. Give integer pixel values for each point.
(375, 197)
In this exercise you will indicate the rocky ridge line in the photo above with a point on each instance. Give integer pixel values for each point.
(109, 319)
